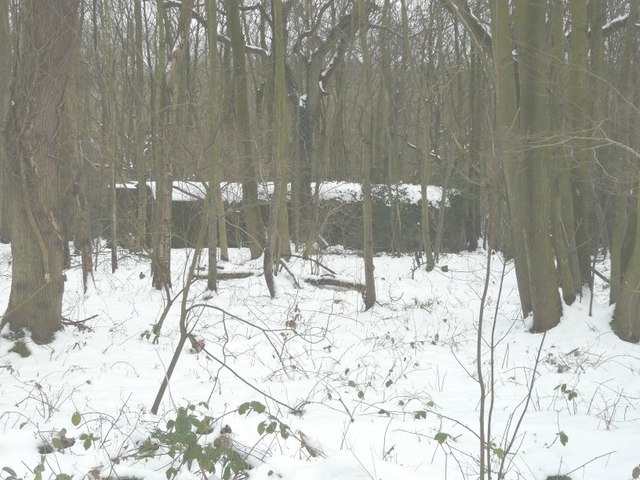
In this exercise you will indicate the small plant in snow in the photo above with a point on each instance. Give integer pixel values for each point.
(265, 427)
(182, 440)
(7, 473)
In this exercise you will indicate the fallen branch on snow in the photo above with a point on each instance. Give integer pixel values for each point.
(334, 281)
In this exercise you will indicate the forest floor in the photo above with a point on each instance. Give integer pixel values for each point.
(391, 393)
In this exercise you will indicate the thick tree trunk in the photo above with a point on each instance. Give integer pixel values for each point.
(280, 154)
(163, 167)
(626, 316)
(34, 148)
(536, 168)
(251, 206)
(78, 214)
(506, 131)
(625, 257)
(621, 211)
(5, 80)
(579, 121)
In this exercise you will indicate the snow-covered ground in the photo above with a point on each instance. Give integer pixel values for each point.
(387, 394)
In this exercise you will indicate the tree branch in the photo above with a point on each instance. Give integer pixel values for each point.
(481, 37)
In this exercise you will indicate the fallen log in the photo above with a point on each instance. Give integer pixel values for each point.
(335, 282)
(232, 275)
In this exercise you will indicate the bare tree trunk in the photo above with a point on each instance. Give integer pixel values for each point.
(75, 185)
(530, 28)
(506, 121)
(251, 206)
(34, 146)
(109, 137)
(425, 173)
(164, 168)
(5, 79)
(214, 200)
(280, 152)
(367, 156)
(622, 210)
(579, 109)
(626, 316)
(140, 132)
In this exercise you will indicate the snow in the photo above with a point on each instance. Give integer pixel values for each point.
(615, 21)
(362, 379)
(332, 190)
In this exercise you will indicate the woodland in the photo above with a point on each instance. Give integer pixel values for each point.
(528, 110)
(504, 129)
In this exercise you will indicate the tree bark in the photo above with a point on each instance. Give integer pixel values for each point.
(626, 315)
(506, 130)
(163, 167)
(280, 153)
(579, 107)
(140, 132)
(243, 128)
(5, 79)
(214, 199)
(34, 146)
(530, 28)
(367, 156)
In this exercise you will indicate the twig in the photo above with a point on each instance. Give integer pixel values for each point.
(66, 321)
(524, 408)
(601, 276)
(589, 461)
(321, 265)
(283, 264)
(249, 384)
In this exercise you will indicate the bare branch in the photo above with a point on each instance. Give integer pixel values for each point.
(481, 37)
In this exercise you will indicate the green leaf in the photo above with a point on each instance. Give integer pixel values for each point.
(63, 476)
(262, 427)
(361, 394)
(183, 424)
(441, 437)
(498, 452)
(57, 443)
(38, 471)
(13, 473)
(87, 443)
(258, 407)
(420, 414)
(352, 384)
(388, 383)
(564, 438)
(272, 427)
(76, 419)
(204, 426)
(635, 473)
(242, 409)
(171, 473)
